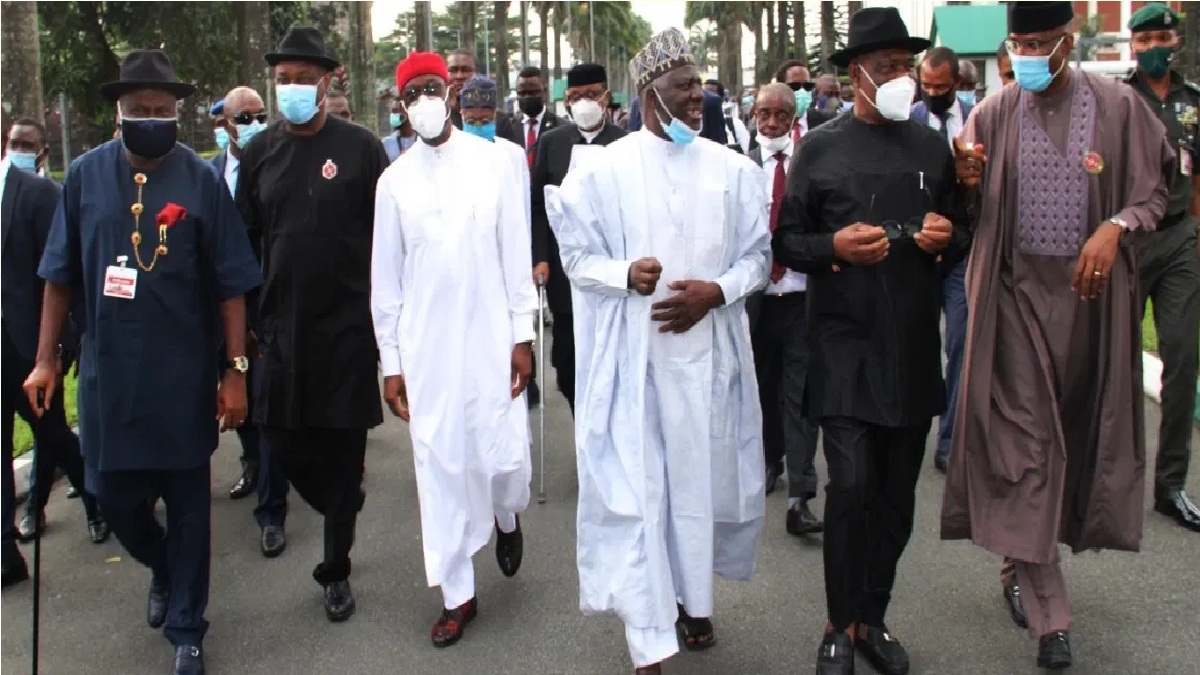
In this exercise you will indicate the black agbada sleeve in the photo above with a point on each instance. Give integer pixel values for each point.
(798, 242)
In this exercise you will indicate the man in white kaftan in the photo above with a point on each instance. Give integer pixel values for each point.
(668, 427)
(454, 304)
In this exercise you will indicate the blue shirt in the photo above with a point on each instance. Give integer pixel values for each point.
(147, 381)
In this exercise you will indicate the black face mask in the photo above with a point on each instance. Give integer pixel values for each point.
(532, 105)
(149, 138)
(938, 105)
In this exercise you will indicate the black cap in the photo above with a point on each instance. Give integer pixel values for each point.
(1038, 17)
(586, 73)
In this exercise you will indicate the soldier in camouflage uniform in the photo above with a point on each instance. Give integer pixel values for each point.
(1168, 258)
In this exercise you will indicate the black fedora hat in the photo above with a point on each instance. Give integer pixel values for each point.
(303, 43)
(146, 69)
(873, 29)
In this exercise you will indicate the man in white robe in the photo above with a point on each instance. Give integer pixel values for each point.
(453, 305)
(663, 237)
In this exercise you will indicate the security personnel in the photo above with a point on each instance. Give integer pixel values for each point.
(1170, 267)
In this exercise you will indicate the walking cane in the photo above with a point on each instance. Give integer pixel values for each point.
(541, 340)
(37, 537)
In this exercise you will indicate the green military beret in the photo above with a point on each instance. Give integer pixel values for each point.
(1154, 16)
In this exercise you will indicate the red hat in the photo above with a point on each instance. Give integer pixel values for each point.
(420, 63)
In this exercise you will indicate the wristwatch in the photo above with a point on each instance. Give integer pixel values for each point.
(1120, 222)
(239, 363)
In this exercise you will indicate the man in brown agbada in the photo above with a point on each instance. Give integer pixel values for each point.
(1048, 442)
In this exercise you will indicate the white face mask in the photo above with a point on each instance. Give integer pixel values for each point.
(428, 116)
(587, 114)
(894, 98)
(771, 146)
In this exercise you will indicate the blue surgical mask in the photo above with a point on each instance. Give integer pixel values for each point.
(678, 131)
(25, 161)
(396, 120)
(1033, 72)
(803, 100)
(297, 102)
(485, 131)
(222, 138)
(966, 97)
(247, 131)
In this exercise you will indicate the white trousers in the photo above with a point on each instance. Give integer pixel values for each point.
(458, 586)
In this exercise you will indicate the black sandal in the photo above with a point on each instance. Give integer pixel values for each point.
(697, 633)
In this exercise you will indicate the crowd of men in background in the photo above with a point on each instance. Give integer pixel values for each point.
(844, 268)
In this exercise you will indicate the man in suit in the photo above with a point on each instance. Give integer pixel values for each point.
(245, 117)
(461, 66)
(943, 110)
(712, 125)
(27, 202)
(587, 97)
(808, 115)
(778, 329)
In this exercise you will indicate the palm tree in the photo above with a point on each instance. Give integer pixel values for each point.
(754, 22)
(21, 60)
(544, 38)
(469, 19)
(828, 35)
(728, 17)
(799, 33)
(253, 21)
(500, 39)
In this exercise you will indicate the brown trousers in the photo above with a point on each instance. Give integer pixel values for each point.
(1044, 595)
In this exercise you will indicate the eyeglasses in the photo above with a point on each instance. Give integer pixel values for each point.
(904, 229)
(431, 88)
(249, 118)
(1033, 46)
(806, 86)
(577, 96)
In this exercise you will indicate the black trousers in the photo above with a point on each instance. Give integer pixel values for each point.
(562, 355)
(1170, 277)
(326, 468)
(869, 508)
(178, 556)
(58, 445)
(780, 341)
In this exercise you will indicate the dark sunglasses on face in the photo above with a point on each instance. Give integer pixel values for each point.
(806, 86)
(247, 118)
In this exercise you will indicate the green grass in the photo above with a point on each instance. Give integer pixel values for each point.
(23, 435)
(1149, 336)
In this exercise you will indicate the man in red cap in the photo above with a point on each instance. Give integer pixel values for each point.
(450, 276)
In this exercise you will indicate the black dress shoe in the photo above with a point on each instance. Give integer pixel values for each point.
(1174, 504)
(801, 520)
(273, 541)
(1016, 608)
(774, 471)
(14, 573)
(882, 650)
(189, 660)
(28, 528)
(156, 605)
(72, 492)
(1054, 651)
(245, 485)
(509, 548)
(339, 601)
(836, 655)
(98, 530)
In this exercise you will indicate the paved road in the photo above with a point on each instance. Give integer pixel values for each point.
(1134, 614)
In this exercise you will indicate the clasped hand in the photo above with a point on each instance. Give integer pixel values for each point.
(686, 308)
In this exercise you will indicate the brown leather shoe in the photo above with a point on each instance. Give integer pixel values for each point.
(450, 627)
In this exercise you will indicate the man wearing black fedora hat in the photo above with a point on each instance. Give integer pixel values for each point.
(872, 216)
(148, 241)
(1067, 171)
(307, 192)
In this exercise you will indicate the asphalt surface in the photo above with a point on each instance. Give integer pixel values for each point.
(1135, 614)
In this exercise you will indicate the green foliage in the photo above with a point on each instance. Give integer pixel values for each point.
(23, 435)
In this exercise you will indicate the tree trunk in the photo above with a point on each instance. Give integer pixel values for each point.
(773, 47)
(799, 33)
(729, 56)
(853, 7)
(828, 35)
(782, 39)
(21, 62)
(254, 40)
(360, 66)
(544, 40)
(1190, 53)
(422, 15)
(500, 40)
(524, 34)
(561, 14)
(469, 19)
(761, 63)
